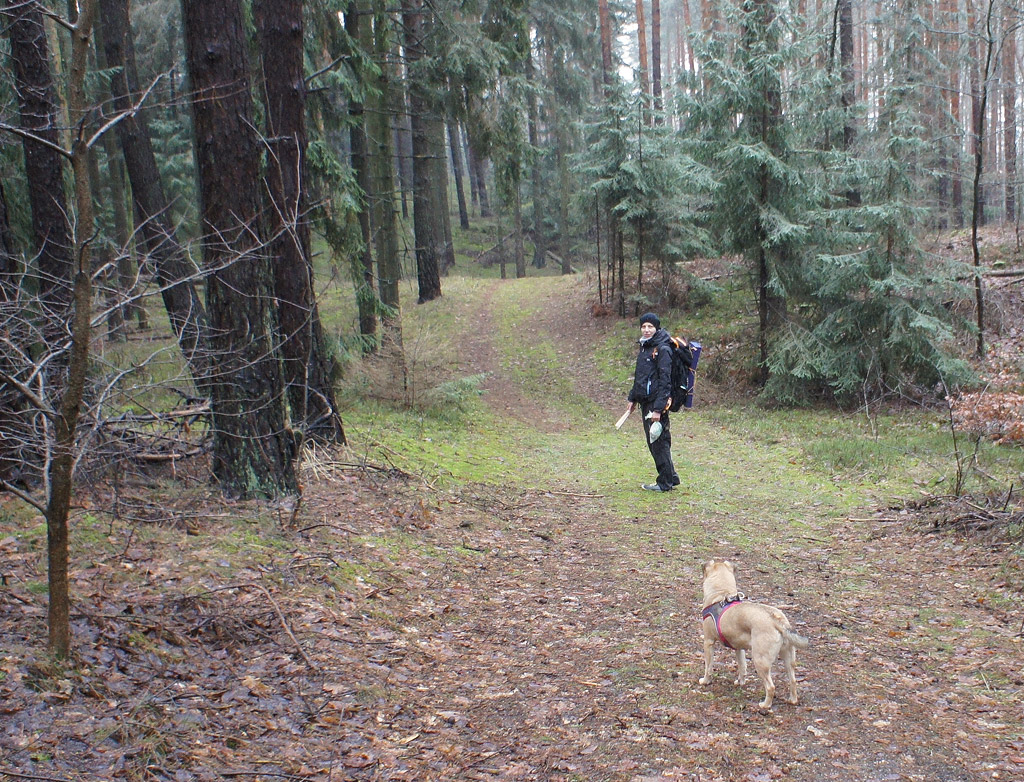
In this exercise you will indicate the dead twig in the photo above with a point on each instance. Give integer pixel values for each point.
(284, 623)
(567, 493)
(19, 775)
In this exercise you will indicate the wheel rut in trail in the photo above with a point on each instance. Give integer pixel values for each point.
(572, 648)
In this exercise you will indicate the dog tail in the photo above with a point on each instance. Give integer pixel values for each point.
(782, 623)
(796, 640)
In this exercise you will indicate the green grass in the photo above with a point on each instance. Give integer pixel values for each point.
(734, 458)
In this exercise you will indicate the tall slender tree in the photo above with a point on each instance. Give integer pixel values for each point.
(254, 448)
(384, 214)
(176, 274)
(1010, 93)
(357, 19)
(309, 368)
(427, 151)
(44, 172)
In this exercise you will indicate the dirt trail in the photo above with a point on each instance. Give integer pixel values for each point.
(575, 655)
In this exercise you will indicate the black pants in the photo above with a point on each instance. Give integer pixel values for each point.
(661, 450)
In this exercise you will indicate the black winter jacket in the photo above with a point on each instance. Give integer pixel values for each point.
(652, 380)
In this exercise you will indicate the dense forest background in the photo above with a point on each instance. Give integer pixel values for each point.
(207, 165)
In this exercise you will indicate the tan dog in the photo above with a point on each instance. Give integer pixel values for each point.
(740, 625)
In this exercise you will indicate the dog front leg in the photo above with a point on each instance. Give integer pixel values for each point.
(741, 667)
(709, 645)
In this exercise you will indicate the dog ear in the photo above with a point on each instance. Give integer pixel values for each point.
(731, 567)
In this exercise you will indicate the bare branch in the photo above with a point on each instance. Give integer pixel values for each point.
(15, 130)
(24, 496)
(38, 402)
(118, 118)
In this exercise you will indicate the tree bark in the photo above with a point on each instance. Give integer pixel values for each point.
(175, 272)
(366, 295)
(656, 58)
(980, 79)
(62, 463)
(1010, 120)
(126, 275)
(604, 21)
(641, 35)
(457, 171)
(384, 218)
(847, 75)
(402, 145)
(104, 253)
(536, 175)
(44, 171)
(309, 368)
(428, 223)
(12, 403)
(254, 449)
(765, 118)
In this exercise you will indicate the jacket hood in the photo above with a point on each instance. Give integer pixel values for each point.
(659, 337)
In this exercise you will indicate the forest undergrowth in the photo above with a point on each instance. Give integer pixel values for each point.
(476, 587)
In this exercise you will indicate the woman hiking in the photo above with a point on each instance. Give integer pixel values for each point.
(652, 387)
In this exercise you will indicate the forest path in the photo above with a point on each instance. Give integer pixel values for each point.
(571, 649)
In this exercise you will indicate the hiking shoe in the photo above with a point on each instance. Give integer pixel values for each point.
(652, 487)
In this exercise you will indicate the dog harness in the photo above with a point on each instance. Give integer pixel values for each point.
(715, 611)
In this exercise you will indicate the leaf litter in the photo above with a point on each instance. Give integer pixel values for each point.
(390, 630)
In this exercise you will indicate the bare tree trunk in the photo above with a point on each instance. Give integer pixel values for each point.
(127, 276)
(536, 178)
(641, 35)
(65, 420)
(771, 304)
(12, 403)
(254, 448)
(480, 172)
(403, 147)
(656, 57)
(1010, 120)
(622, 271)
(127, 279)
(849, 94)
(564, 237)
(428, 224)
(604, 20)
(956, 193)
(366, 296)
(309, 369)
(175, 272)
(517, 231)
(474, 195)
(103, 253)
(981, 80)
(383, 212)
(441, 194)
(44, 172)
(457, 172)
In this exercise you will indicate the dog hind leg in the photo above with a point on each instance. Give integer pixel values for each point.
(789, 660)
(741, 667)
(764, 653)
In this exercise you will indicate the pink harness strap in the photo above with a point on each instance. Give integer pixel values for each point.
(715, 611)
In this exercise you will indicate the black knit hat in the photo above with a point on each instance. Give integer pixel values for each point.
(650, 317)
